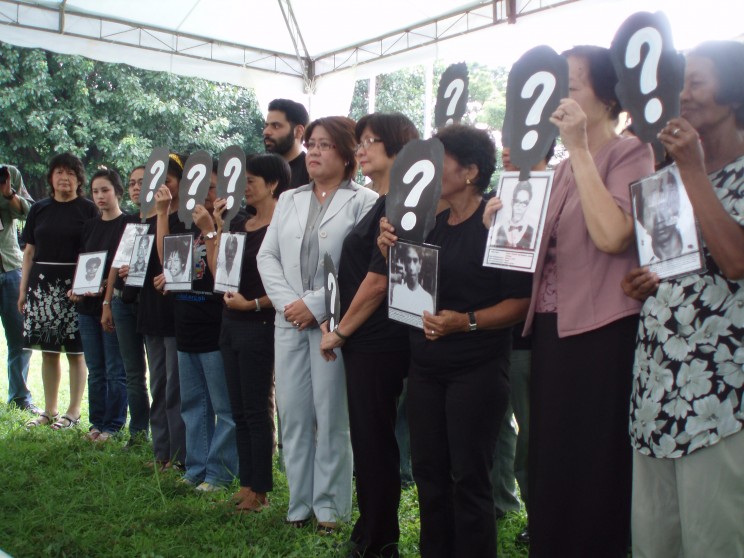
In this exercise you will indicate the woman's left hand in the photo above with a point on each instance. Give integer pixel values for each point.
(73, 297)
(202, 219)
(682, 143)
(571, 122)
(299, 315)
(444, 323)
(328, 342)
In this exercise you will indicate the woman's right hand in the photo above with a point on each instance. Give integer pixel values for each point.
(21, 302)
(159, 283)
(220, 206)
(387, 237)
(492, 207)
(107, 319)
(163, 200)
(328, 342)
(571, 122)
(124, 271)
(640, 283)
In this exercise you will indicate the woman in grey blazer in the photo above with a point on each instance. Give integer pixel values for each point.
(309, 222)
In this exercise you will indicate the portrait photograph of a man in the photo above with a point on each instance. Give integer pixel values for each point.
(89, 273)
(412, 287)
(141, 248)
(229, 262)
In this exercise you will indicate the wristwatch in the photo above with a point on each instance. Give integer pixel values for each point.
(11, 195)
(210, 235)
(473, 324)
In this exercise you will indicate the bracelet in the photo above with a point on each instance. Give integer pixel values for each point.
(340, 335)
(258, 305)
(106, 302)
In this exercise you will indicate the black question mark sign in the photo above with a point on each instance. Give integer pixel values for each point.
(156, 170)
(194, 185)
(231, 181)
(452, 95)
(332, 296)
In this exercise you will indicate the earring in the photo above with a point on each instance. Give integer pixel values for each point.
(467, 181)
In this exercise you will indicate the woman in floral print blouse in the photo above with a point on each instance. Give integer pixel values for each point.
(686, 412)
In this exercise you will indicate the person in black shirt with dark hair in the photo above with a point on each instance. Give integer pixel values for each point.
(283, 133)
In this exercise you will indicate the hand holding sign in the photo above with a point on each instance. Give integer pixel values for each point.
(332, 297)
(452, 95)
(194, 185)
(416, 185)
(231, 181)
(155, 173)
(650, 72)
(537, 82)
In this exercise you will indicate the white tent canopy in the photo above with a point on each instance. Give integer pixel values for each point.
(315, 51)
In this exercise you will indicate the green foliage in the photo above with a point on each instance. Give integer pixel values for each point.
(112, 114)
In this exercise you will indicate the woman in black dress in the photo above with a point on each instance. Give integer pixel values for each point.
(53, 236)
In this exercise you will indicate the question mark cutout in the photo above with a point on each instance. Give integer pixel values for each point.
(231, 174)
(332, 296)
(194, 185)
(416, 185)
(155, 172)
(650, 74)
(452, 95)
(537, 82)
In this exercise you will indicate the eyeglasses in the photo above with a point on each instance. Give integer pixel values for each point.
(366, 143)
(322, 145)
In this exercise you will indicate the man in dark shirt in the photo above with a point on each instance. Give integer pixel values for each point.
(283, 132)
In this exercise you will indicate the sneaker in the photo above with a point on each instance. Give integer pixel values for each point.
(207, 487)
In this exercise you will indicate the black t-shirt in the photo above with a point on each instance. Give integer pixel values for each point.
(198, 313)
(55, 229)
(300, 177)
(250, 286)
(99, 235)
(378, 333)
(155, 313)
(465, 284)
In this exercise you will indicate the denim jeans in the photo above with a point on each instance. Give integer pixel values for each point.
(132, 348)
(18, 359)
(248, 352)
(107, 383)
(211, 448)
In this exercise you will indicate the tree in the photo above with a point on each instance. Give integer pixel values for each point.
(112, 114)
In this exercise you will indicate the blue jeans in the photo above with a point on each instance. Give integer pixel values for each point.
(18, 359)
(132, 348)
(211, 449)
(107, 382)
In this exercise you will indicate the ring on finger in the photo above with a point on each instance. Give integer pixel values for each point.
(675, 132)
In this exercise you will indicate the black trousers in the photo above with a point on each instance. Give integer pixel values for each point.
(454, 417)
(580, 460)
(374, 382)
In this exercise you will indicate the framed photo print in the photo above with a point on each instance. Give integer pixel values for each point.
(177, 261)
(516, 230)
(126, 244)
(138, 260)
(229, 262)
(666, 233)
(413, 282)
(89, 273)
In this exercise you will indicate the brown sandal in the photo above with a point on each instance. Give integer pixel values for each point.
(42, 419)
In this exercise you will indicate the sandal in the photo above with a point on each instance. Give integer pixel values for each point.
(65, 422)
(42, 419)
(297, 523)
(93, 434)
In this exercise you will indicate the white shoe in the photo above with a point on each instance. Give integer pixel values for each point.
(207, 487)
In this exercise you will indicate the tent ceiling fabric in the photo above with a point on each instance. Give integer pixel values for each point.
(314, 51)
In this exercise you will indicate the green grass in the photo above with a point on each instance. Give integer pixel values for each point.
(61, 496)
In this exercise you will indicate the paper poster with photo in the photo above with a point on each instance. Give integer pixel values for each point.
(517, 228)
(142, 246)
(413, 282)
(229, 262)
(89, 273)
(177, 261)
(126, 244)
(667, 235)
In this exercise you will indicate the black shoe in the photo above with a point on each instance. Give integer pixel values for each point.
(30, 408)
(523, 537)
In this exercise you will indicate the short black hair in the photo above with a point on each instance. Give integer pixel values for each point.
(394, 129)
(4, 174)
(522, 186)
(470, 146)
(294, 112)
(112, 176)
(272, 168)
(341, 130)
(728, 59)
(602, 74)
(67, 161)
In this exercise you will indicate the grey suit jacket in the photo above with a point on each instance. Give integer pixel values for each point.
(279, 256)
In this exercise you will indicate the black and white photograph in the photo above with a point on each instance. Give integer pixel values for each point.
(229, 262)
(514, 236)
(141, 248)
(89, 273)
(126, 244)
(177, 266)
(666, 234)
(413, 282)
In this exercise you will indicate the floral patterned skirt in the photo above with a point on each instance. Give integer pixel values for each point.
(49, 319)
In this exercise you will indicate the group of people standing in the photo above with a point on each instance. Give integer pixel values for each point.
(604, 332)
